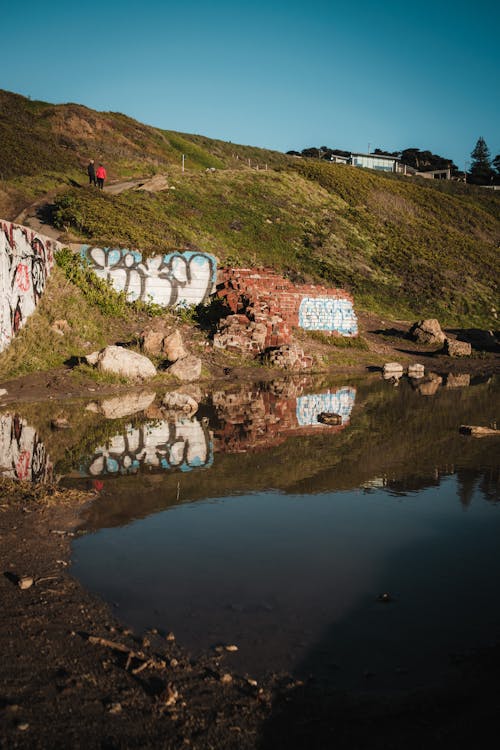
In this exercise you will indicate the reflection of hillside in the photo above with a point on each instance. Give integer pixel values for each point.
(257, 417)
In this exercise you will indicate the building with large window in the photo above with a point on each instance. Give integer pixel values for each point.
(377, 161)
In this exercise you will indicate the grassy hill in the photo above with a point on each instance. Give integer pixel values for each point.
(402, 247)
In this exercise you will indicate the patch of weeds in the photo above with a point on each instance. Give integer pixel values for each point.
(339, 342)
(85, 371)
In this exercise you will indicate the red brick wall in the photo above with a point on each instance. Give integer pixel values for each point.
(264, 296)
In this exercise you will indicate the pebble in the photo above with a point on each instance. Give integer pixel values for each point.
(170, 636)
(115, 708)
(23, 727)
(25, 582)
(226, 678)
(231, 647)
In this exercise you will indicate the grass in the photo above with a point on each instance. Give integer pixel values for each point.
(404, 248)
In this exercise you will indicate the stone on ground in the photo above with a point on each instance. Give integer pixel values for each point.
(427, 332)
(117, 360)
(186, 369)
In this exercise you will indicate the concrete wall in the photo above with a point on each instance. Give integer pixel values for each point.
(174, 279)
(26, 260)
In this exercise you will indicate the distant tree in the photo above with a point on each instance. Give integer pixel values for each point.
(426, 161)
(481, 172)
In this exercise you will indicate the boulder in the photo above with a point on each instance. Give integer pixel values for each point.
(427, 332)
(178, 401)
(392, 370)
(151, 340)
(454, 348)
(329, 418)
(186, 369)
(125, 363)
(173, 347)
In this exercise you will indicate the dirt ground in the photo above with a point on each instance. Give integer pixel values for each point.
(72, 676)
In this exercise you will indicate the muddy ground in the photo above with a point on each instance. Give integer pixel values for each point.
(72, 676)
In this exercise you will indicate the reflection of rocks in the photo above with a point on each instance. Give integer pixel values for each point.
(427, 332)
(429, 385)
(416, 371)
(182, 444)
(454, 348)
(457, 381)
(123, 406)
(117, 360)
(177, 401)
(253, 418)
(22, 453)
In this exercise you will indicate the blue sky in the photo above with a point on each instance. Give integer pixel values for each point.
(278, 74)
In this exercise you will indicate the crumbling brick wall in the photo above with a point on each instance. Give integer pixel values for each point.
(268, 299)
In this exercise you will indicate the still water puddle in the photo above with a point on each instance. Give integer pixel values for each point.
(253, 523)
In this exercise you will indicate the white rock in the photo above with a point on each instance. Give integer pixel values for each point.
(393, 369)
(125, 363)
(3, 392)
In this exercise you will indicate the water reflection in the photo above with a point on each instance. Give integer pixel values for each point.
(183, 444)
(22, 453)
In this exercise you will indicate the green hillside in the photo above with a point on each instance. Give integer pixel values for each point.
(402, 247)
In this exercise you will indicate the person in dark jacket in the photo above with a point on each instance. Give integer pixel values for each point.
(101, 176)
(91, 173)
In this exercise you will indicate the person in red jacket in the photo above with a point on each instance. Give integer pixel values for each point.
(101, 176)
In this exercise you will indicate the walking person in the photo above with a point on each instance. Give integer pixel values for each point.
(101, 176)
(91, 173)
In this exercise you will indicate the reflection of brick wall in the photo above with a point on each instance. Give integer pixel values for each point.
(267, 298)
(255, 419)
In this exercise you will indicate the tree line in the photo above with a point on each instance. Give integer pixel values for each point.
(483, 169)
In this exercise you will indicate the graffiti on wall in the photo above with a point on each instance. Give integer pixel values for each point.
(174, 279)
(185, 444)
(26, 260)
(328, 314)
(339, 402)
(22, 453)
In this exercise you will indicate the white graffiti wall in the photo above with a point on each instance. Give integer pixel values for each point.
(328, 314)
(22, 453)
(183, 444)
(26, 260)
(174, 279)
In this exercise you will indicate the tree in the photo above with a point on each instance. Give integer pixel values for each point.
(496, 164)
(481, 172)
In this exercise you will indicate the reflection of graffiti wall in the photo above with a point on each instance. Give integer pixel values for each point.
(184, 444)
(26, 260)
(22, 453)
(254, 418)
(339, 402)
(173, 279)
(328, 314)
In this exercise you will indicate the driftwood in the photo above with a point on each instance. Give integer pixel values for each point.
(474, 431)
(147, 663)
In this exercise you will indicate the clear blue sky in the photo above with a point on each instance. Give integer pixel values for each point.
(280, 74)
